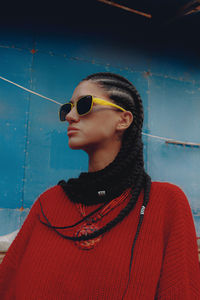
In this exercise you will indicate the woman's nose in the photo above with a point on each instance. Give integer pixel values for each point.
(72, 116)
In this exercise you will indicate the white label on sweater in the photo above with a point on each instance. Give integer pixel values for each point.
(142, 210)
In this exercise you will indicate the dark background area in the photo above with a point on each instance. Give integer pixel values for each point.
(168, 25)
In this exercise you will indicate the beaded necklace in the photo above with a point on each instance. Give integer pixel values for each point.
(89, 227)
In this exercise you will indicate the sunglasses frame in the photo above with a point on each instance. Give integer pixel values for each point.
(94, 100)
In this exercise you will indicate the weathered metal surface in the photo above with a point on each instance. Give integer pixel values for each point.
(33, 148)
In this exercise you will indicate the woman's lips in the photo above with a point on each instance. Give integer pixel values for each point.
(71, 130)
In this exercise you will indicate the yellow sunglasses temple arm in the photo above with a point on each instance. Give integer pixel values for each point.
(104, 102)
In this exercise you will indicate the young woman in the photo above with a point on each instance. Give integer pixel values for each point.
(111, 233)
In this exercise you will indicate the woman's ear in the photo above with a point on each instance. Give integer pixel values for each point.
(125, 120)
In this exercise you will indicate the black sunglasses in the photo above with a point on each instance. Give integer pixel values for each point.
(84, 106)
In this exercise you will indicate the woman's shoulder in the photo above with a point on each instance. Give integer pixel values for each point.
(166, 186)
(55, 204)
(169, 195)
(52, 190)
(167, 189)
(52, 196)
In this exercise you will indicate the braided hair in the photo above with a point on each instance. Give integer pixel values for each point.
(126, 170)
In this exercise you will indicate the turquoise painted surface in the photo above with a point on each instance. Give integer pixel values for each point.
(33, 149)
(14, 107)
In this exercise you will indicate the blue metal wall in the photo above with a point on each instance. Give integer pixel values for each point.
(33, 144)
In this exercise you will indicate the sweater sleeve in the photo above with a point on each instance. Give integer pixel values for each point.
(15, 252)
(180, 274)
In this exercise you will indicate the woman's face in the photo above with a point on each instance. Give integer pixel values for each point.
(99, 128)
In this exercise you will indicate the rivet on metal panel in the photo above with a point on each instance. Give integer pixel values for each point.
(146, 74)
(33, 51)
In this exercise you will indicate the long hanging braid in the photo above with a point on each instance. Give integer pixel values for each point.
(126, 171)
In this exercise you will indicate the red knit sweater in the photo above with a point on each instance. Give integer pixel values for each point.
(41, 265)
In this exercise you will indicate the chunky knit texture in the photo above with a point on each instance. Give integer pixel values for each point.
(42, 265)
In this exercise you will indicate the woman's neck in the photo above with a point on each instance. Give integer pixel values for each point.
(101, 158)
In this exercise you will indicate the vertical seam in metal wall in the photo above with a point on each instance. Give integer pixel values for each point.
(147, 145)
(27, 135)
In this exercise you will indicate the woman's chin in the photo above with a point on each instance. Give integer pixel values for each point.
(74, 146)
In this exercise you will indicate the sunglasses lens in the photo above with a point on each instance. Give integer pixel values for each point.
(84, 105)
(64, 110)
